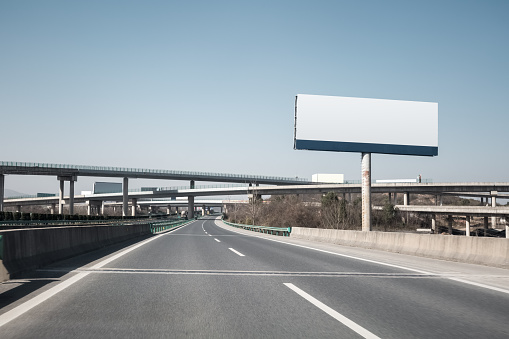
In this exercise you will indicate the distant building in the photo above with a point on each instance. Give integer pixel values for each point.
(107, 187)
(41, 195)
(328, 178)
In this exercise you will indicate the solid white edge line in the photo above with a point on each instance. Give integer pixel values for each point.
(236, 252)
(375, 262)
(336, 315)
(118, 255)
(338, 254)
(28, 305)
(31, 303)
(479, 285)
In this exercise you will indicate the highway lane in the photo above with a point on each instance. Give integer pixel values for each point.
(189, 283)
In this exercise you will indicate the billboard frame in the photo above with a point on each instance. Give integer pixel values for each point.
(416, 147)
(426, 113)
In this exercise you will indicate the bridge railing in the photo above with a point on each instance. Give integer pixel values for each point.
(143, 171)
(283, 231)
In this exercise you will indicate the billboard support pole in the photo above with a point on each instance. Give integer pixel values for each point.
(366, 191)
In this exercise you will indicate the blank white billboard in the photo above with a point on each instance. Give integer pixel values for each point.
(343, 124)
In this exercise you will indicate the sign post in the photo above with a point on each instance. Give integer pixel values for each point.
(343, 124)
(366, 191)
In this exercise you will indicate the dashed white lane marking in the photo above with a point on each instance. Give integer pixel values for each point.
(333, 253)
(29, 304)
(493, 288)
(236, 252)
(336, 315)
(217, 240)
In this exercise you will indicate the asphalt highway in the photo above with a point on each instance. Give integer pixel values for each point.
(207, 280)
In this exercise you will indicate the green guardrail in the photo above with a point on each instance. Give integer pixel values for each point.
(159, 226)
(282, 231)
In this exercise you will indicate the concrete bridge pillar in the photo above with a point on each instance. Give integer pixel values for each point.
(190, 207)
(168, 209)
(18, 208)
(485, 225)
(71, 197)
(52, 208)
(494, 204)
(94, 207)
(125, 197)
(449, 221)
(134, 205)
(2, 190)
(467, 226)
(406, 198)
(61, 201)
(61, 197)
(395, 198)
(190, 202)
(434, 223)
(203, 210)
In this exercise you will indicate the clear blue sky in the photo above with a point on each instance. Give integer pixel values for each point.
(210, 85)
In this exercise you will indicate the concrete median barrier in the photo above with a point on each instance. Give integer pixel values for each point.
(475, 250)
(27, 249)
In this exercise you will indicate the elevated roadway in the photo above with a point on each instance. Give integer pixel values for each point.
(62, 170)
(70, 173)
(492, 190)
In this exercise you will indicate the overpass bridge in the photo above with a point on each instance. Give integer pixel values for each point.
(70, 173)
(482, 190)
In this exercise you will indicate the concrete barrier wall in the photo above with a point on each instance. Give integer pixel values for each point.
(25, 250)
(475, 250)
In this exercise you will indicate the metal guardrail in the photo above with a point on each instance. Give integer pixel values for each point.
(283, 231)
(156, 227)
(21, 224)
(51, 223)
